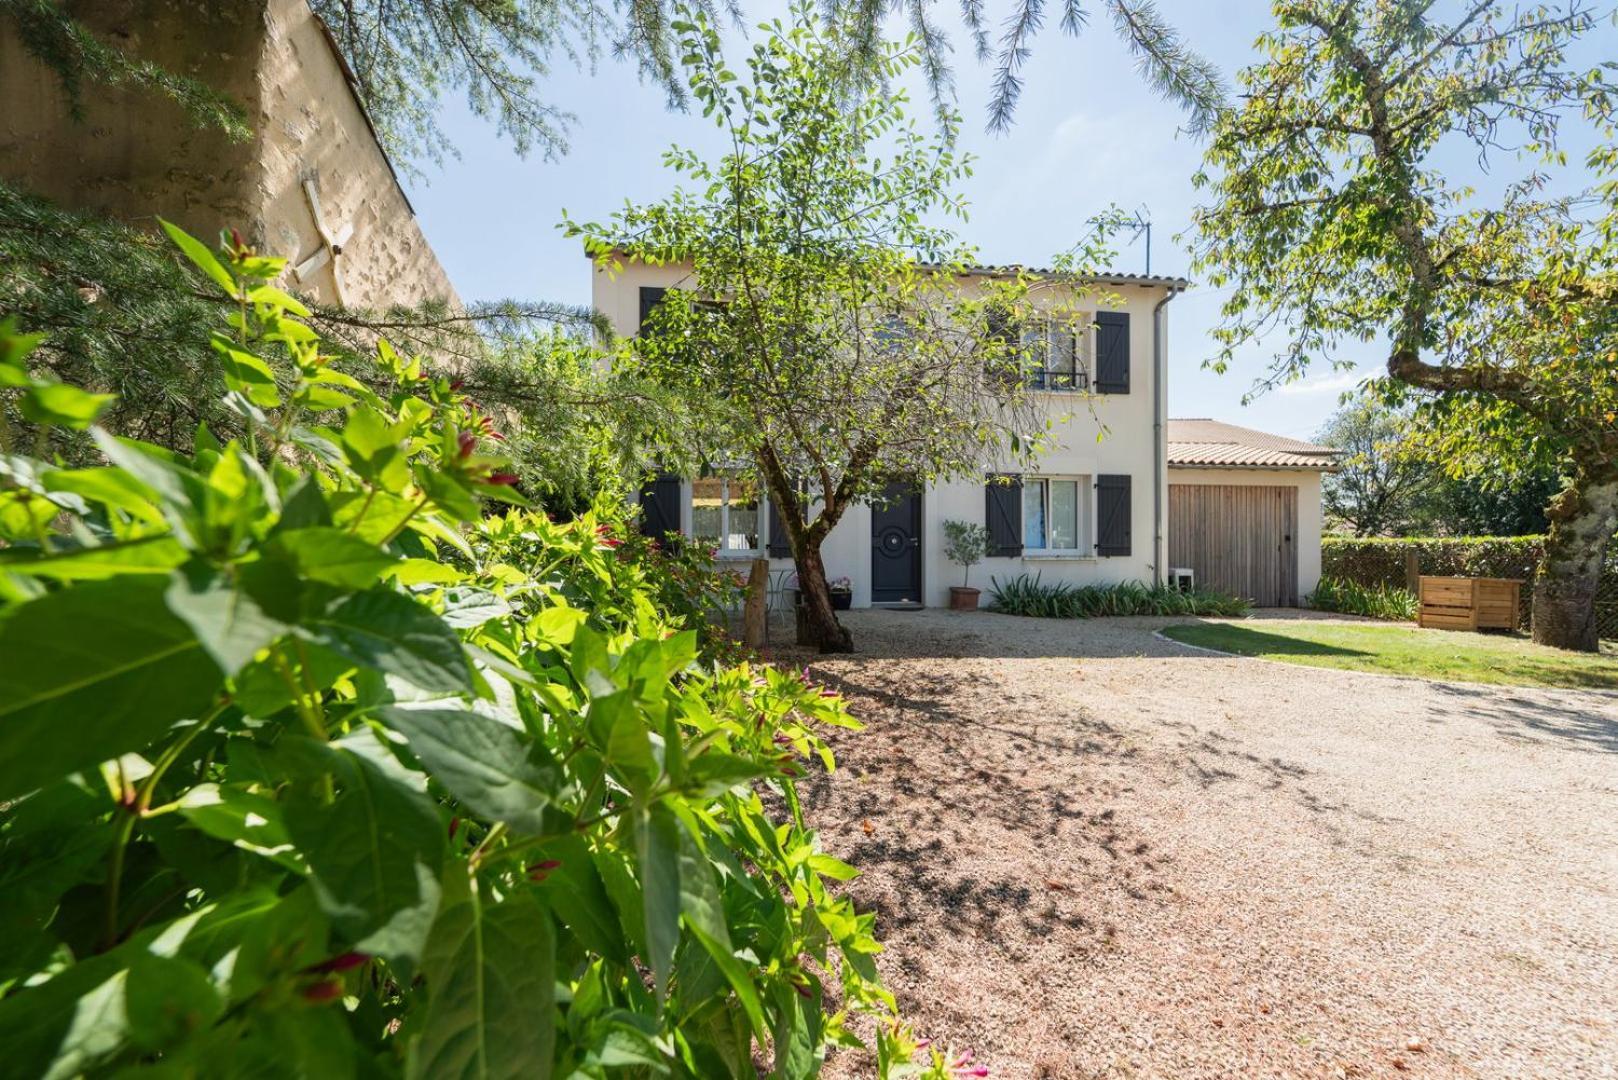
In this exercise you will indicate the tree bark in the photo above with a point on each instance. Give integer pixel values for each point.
(823, 630)
(1583, 517)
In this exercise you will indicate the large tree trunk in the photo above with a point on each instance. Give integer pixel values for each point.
(1582, 518)
(820, 624)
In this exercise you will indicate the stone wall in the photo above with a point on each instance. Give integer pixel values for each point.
(135, 156)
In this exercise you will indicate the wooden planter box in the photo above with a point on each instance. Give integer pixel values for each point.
(1458, 603)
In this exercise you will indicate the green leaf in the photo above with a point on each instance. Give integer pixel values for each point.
(557, 625)
(657, 852)
(333, 556)
(63, 405)
(490, 970)
(177, 489)
(305, 508)
(247, 819)
(700, 902)
(228, 622)
(199, 255)
(112, 488)
(144, 996)
(375, 851)
(484, 763)
(736, 974)
(389, 631)
(92, 672)
(574, 890)
(468, 608)
(713, 773)
(618, 721)
(148, 555)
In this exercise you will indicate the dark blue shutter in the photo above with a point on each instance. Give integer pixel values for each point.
(660, 506)
(1112, 515)
(780, 542)
(1003, 515)
(650, 297)
(1112, 352)
(1007, 372)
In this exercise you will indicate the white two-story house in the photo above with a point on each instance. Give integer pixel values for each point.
(1091, 511)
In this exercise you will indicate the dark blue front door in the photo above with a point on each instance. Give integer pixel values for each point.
(896, 545)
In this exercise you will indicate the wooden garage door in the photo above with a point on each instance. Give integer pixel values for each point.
(1238, 539)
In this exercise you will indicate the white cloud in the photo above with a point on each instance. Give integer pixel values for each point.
(1342, 380)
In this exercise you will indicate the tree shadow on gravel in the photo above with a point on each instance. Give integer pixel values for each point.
(925, 796)
(1573, 725)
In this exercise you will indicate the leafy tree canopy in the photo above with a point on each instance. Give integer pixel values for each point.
(407, 55)
(829, 338)
(1334, 218)
(123, 316)
(1389, 485)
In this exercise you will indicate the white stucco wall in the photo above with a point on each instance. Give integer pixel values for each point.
(1095, 434)
(1307, 481)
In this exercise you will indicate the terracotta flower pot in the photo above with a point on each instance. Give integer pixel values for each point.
(962, 598)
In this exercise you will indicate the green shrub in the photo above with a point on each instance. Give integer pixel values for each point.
(1025, 595)
(1381, 561)
(308, 768)
(1352, 598)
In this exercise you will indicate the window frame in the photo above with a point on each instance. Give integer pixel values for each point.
(720, 551)
(1044, 376)
(1084, 507)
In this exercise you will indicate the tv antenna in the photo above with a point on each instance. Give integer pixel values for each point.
(1137, 224)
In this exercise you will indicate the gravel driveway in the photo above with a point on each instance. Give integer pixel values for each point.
(1096, 853)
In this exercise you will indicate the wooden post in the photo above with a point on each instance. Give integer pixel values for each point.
(755, 615)
(1412, 572)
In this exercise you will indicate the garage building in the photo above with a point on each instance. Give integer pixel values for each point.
(1244, 510)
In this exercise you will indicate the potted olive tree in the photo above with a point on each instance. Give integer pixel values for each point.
(967, 543)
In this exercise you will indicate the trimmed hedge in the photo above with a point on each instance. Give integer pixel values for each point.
(1380, 562)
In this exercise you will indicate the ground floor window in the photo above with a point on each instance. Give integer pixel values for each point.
(1055, 514)
(727, 512)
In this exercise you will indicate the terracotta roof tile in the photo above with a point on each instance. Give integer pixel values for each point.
(1212, 443)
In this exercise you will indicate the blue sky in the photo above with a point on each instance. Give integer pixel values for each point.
(1088, 133)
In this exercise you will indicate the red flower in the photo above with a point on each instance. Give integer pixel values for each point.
(611, 542)
(541, 870)
(467, 443)
(323, 991)
(341, 962)
(502, 479)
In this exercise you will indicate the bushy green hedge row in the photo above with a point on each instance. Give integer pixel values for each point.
(1381, 561)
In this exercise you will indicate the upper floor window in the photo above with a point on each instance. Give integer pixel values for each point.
(727, 512)
(1055, 514)
(1054, 353)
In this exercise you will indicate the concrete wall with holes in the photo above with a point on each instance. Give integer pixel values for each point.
(136, 156)
(1094, 434)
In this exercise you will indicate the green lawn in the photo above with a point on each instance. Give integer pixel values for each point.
(1401, 649)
